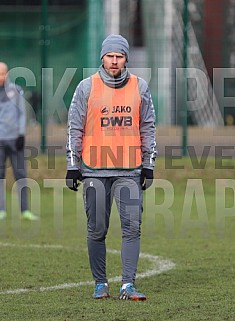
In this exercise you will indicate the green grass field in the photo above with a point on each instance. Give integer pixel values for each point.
(188, 220)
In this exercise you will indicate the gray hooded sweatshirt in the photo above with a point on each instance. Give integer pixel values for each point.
(12, 111)
(77, 120)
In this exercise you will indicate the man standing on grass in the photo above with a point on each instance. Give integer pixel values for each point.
(111, 148)
(12, 132)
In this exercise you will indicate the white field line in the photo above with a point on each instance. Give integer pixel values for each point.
(158, 265)
(36, 246)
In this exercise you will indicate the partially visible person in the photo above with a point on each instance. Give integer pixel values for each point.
(111, 148)
(12, 141)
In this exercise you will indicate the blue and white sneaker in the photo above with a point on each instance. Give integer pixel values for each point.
(128, 292)
(101, 291)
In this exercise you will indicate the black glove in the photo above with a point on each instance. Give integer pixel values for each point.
(146, 178)
(73, 179)
(20, 142)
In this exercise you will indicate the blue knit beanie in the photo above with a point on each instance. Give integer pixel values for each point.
(115, 43)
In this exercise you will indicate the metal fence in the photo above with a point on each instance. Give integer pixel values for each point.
(72, 35)
(27, 42)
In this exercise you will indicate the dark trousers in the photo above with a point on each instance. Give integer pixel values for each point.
(98, 196)
(8, 151)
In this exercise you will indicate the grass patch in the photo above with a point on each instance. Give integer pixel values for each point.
(185, 220)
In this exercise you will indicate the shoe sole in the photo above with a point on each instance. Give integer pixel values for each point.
(29, 219)
(134, 298)
(138, 299)
(102, 297)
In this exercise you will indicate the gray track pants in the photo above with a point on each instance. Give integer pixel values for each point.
(98, 196)
(8, 150)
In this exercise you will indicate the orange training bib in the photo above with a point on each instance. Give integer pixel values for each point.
(112, 138)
